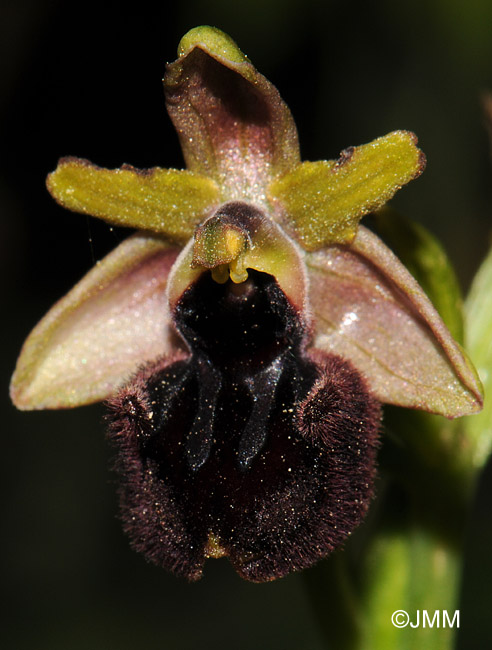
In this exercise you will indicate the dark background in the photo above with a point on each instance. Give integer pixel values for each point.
(84, 79)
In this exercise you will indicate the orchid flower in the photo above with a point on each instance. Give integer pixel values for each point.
(247, 334)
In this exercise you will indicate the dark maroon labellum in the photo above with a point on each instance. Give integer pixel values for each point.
(249, 447)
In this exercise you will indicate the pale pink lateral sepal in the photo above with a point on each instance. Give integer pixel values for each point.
(369, 309)
(114, 320)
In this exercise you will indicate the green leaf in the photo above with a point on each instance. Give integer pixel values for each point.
(395, 561)
(406, 567)
(427, 261)
(478, 321)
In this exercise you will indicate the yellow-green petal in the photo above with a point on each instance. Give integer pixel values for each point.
(170, 202)
(324, 201)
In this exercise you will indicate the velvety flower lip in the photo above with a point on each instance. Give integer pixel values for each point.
(245, 336)
(224, 468)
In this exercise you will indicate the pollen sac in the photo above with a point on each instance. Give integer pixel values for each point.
(249, 446)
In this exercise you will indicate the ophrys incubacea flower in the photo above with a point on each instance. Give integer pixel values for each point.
(246, 335)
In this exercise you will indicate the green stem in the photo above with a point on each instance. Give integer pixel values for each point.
(334, 605)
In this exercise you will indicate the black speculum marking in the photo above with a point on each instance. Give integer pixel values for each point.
(250, 441)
